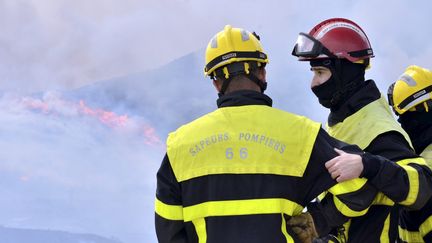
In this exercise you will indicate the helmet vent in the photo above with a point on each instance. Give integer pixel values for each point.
(244, 35)
(213, 43)
(408, 80)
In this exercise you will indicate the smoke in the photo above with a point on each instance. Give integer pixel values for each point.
(61, 44)
(87, 163)
(68, 166)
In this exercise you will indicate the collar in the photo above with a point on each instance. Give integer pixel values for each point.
(418, 125)
(364, 96)
(244, 97)
(422, 140)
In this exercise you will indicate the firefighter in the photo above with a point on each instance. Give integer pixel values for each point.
(339, 53)
(240, 172)
(411, 99)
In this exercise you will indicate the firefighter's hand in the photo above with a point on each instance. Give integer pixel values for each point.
(345, 167)
(304, 227)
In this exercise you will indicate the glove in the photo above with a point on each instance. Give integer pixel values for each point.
(303, 226)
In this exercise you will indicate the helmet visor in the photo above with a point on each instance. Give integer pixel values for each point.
(309, 47)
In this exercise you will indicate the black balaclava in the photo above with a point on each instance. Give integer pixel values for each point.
(346, 79)
(418, 125)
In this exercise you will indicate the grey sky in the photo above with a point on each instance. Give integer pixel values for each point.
(60, 44)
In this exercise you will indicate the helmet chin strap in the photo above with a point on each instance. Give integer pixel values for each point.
(225, 84)
(260, 83)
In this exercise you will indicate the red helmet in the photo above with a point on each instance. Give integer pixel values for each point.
(337, 38)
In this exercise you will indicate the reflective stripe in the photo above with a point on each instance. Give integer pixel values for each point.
(171, 212)
(375, 118)
(426, 226)
(414, 185)
(344, 238)
(241, 207)
(418, 161)
(345, 210)
(409, 236)
(413, 178)
(253, 139)
(322, 195)
(381, 199)
(384, 238)
(347, 186)
(200, 228)
(416, 98)
(288, 237)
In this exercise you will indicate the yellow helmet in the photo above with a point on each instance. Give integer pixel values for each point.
(414, 87)
(233, 45)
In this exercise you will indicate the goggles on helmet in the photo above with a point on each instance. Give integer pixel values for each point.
(309, 47)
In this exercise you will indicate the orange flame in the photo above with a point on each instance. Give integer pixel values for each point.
(59, 106)
(36, 105)
(151, 137)
(107, 117)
